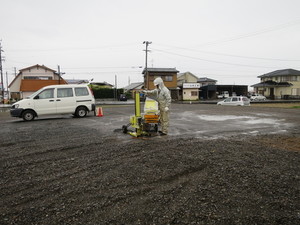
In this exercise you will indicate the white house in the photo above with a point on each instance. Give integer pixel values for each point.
(279, 84)
(31, 79)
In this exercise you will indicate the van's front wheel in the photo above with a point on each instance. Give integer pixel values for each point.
(28, 115)
(81, 112)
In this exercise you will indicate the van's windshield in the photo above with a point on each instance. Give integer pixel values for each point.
(34, 94)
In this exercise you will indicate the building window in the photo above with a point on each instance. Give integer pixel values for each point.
(194, 93)
(31, 78)
(288, 78)
(168, 78)
(295, 91)
(37, 78)
(45, 78)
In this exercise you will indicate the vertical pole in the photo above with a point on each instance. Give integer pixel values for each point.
(147, 76)
(58, 71)
(7, 87)
(146, 63)
(2, 90)
(137, 104)
(116, 89)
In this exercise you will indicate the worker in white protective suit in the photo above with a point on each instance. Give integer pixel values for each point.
(162, 95)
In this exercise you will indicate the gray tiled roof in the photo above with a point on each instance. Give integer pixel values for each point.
(133, 85)
(285, 72)
(171, 70)
(271, 83)
(205, 79)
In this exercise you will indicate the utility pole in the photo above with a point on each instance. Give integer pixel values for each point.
(146, 63)
(7, 92)
(2, 90)
(58, 71)
(116, 89)
(59, 74)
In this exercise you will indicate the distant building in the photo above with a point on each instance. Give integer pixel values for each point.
(101, 84)
(168, 75)
(186, 77)
(203, 81)
(188, 86)
(76, 81)
(279, 84)
(134, 86)
(31, 79)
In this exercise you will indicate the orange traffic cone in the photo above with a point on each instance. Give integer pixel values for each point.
(99, 112)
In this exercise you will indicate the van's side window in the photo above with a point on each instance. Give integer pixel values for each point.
(48, 93)
(81, 91)
(64, 92)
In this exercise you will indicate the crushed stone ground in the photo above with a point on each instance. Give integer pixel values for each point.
(57, 172)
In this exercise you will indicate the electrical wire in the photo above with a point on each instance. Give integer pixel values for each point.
(72, 48)
(251, 34)
(236, 56)
(212, 61)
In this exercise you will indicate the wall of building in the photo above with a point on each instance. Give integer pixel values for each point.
(281, 92)
(190, 94)
(165, 77)
(38, 71)
(15, 86)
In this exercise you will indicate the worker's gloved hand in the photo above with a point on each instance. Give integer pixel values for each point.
(166, 109)
(144, 91)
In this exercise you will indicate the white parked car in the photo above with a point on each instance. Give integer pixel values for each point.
(257, 97)
(224, 94)
(235, 101)
(56, 99)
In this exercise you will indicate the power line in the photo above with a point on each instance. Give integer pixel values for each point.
(212, 61)
(236, 56)
(72, 48)
(146, 63)
(106, 67)
(255, 33)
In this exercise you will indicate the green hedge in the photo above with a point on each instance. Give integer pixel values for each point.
(106, 92)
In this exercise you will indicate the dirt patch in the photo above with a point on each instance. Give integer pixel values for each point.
(277, 105)
(291, 143)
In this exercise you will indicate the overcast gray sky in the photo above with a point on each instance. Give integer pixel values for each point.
(232, 41)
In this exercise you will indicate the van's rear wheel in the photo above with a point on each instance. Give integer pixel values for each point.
(81, 112)
(28, 115)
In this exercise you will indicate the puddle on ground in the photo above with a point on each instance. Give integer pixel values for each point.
(223, 118)
(251, 120)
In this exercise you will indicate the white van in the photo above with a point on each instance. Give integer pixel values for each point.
(56, 99)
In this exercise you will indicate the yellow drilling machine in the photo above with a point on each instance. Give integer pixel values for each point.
(145, 124)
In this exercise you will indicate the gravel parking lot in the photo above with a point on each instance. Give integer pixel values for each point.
(218, 165)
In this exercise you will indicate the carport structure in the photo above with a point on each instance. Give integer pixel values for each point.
(211, 91)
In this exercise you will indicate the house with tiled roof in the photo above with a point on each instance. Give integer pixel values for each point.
(31, 79)
(134, 87)
(168, 75)
(204, 81)
(279, 84)
(188, 86)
